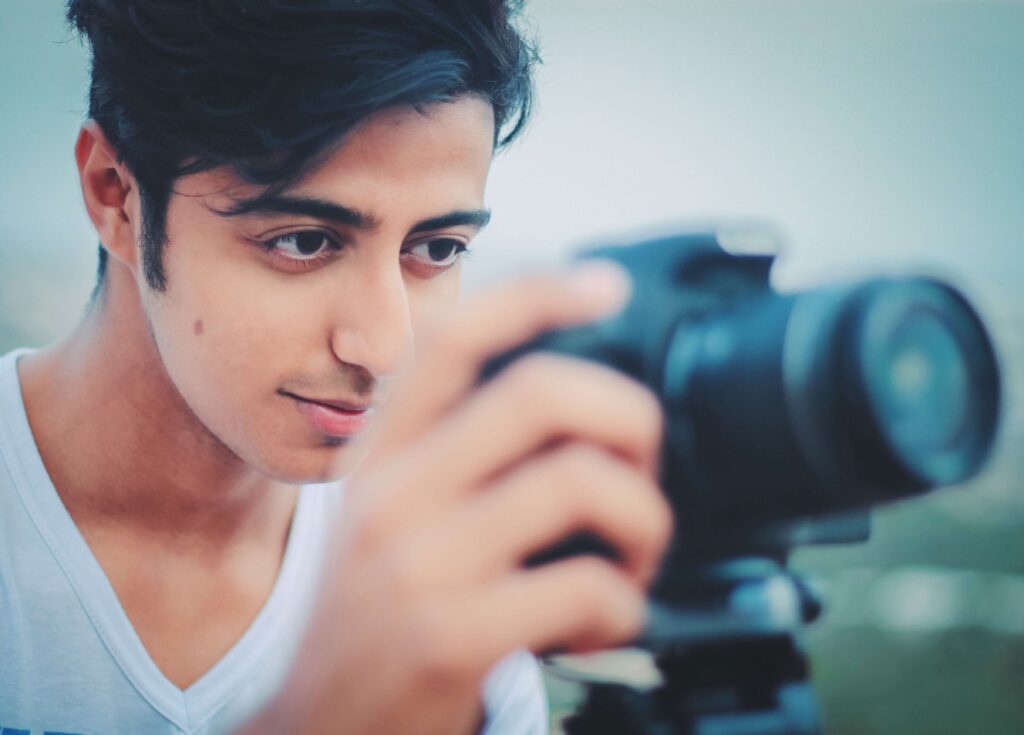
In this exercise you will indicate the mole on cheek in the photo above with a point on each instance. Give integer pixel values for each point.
(198, 327)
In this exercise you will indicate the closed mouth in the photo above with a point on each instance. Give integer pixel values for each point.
(337, 404)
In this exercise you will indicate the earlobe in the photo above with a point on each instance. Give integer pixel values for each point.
(109, 193)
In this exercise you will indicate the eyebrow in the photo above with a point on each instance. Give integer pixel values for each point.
(305, 206)
(335, 212)
(477, 218)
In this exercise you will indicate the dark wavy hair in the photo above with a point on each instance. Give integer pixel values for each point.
(267, 87)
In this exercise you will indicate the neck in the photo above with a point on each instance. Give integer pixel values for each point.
(122, 446)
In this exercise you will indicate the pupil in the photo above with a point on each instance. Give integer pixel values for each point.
(308, 243)
(441, 249)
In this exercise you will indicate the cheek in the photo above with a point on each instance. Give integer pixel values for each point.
(226, 333)
(434, 299)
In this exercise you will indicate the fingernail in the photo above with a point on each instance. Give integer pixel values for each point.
(604, 282)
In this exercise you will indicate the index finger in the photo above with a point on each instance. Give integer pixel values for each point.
(484, 325)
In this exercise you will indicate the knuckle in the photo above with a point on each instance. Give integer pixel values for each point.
(614, 606)
(664, 521)
(374, 513)
(586, 465)
(428, 651)
(597, 583)
(528, 384)
(648, 408)
(446, 338)
(371, 531)
(545, 290)
(402, 573)
(528, 371)
(654, 519)
(582, 457)
(561, 482)
(657, 512)
(578, 467)
(440, 656)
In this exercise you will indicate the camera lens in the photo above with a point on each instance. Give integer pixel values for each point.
(834, 398)
(926, 375)
(922, 382)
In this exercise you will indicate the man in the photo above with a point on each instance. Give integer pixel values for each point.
(283, 192)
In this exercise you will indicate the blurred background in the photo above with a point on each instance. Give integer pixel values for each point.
(881, 136)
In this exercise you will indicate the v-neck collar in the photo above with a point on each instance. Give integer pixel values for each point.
(187, 709)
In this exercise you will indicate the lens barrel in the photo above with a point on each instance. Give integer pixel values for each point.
(831, 399)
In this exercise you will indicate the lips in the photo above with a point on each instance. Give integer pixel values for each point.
(337, 418)
(340, 405)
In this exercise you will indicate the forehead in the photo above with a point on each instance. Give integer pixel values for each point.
(409, 136)
(438, 152)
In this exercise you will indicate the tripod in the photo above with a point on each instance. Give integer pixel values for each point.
(729, 658)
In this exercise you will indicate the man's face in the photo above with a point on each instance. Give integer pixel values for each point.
(272, 313)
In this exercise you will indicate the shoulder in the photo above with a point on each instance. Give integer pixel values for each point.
(514, 697)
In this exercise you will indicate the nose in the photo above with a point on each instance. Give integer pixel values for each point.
(373, 327)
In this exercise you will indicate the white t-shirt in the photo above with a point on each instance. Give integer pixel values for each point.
(71, 663)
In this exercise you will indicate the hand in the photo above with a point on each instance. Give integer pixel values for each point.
(460, 483)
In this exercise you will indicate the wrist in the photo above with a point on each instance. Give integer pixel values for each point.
(285, 713)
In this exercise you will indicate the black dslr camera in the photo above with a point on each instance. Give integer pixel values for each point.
(787, 417)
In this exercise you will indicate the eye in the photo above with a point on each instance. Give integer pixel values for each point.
(303, 245)
(440, 253)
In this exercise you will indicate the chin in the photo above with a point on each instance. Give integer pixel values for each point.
(327, 463)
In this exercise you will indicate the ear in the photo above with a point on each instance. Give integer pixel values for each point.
(110, 194)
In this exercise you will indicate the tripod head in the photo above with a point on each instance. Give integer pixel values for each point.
(730, 661)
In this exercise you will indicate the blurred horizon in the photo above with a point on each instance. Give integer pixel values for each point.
(881, 136)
